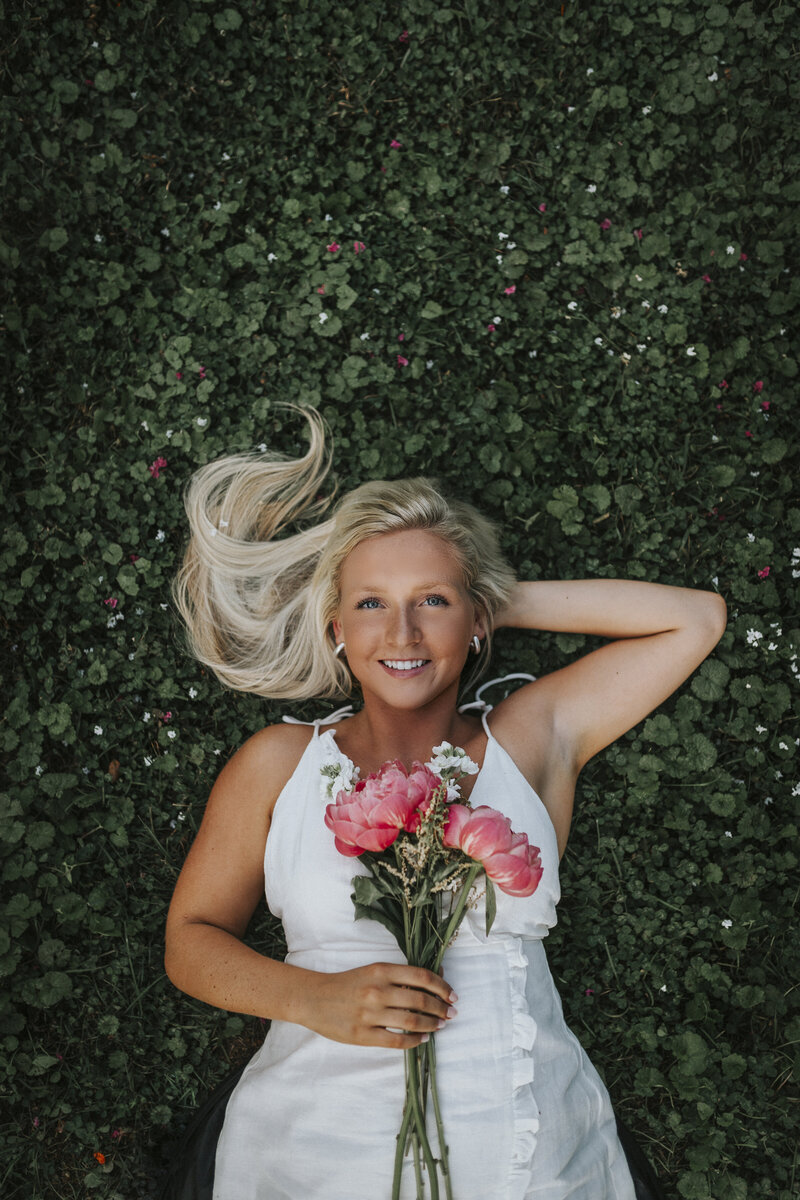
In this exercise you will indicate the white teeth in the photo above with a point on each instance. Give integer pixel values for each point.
(405, 665)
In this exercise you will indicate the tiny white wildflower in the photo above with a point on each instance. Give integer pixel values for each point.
(323, 316)
(160, 536)
(590, 70)
(751, 537)
(727, 924)
(663, 987)
(761, 729)
(225, 156)
(573, 304)
(429, 363)
(690, 350)
(505, 189)
(646, 304)
(501, 237)
(98, 729)
(641, 347)
(592, 188)
(272, 257)
(169, 433)
(146, 717)
(782, 746)
(754, 636)
(192, 693)
(715, 581)
(570, 108)
(202, 422)
(533, 353)
(499, 258)
(713, 77)
(772, 646)
(364, 337)
(662, 308)
(728, 833)
(598, 341)
(218, 206)
(648, 108)
(171, 733)
(145, 427)
(165, 232)
(39, 769)
(768, 800)
(511, 246)
(328, 217)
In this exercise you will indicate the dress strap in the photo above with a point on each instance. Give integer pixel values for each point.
(331, 719)
(484, 707)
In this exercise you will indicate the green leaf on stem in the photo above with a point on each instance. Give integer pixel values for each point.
(491, 904)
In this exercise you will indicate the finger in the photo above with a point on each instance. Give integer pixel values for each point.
(415, 1001)
(397, 1039)
(418, 977)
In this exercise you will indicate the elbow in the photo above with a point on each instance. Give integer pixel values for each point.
(718, 618)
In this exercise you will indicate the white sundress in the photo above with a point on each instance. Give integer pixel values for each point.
(525, 1113)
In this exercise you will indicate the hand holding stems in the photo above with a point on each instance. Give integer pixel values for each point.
(371, 1005)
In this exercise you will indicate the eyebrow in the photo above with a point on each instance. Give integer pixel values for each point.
(420, 587)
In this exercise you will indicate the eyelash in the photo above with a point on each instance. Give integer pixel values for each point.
(373, 599)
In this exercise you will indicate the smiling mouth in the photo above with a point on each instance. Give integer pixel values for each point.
(404, 664)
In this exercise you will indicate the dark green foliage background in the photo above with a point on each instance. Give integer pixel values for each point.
(173, 174)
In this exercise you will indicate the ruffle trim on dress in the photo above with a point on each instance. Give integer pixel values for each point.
(525, 1108)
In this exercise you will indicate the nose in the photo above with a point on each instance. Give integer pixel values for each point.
(404, 629)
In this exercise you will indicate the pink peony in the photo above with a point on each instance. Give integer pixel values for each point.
(371, 816)
(486, 835)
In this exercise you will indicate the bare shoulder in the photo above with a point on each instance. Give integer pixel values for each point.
(261, 767)
(525, 726)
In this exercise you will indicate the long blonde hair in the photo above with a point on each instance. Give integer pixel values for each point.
(258, 603)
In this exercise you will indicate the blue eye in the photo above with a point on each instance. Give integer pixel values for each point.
(439, 601)
(370, 603)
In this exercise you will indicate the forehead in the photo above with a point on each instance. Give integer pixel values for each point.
(409, 554)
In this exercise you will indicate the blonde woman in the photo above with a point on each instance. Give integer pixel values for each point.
(392, 598)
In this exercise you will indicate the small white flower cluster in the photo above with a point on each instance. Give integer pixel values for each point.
(337, 776)
(795, 563)
(754, 636)
(449, 760)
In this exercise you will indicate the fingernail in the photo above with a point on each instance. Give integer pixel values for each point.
(453, 997)
(426, 1036)
(441, 1024)
(451, 1012)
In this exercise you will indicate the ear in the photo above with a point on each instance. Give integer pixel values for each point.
(336, 626)
(479, 627)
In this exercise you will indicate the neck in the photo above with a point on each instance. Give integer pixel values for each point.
(411, 734)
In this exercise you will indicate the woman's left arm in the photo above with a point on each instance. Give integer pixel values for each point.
(661, 634)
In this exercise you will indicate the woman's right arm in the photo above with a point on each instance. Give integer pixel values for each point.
(217, 892)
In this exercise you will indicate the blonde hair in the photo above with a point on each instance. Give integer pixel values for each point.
(258, 602)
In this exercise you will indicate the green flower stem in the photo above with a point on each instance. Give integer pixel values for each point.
(419, 1120)
(444, 1162)
(455, 919)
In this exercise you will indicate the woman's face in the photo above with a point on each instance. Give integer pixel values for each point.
(405, 617)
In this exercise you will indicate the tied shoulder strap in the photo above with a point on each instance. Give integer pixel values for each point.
(331, 719)
(482, 705)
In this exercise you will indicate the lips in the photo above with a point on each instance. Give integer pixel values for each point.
(404, 666)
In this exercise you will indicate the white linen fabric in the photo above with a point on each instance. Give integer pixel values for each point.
(525, 1113)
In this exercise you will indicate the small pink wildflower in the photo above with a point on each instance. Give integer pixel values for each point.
(706, 279)
(605, 224)
(542, 208)
(747, 433)
(395, 145)
(401, 337)
(116, 1134)
(491, 327)
(509, 291)
(35, 1122)
(403, 36)
(157, 466)
(724, 384)
(758, 386)
(179, 374)
(719, 406)
(743, 257)
(112, 602)
(133, 558)
(762, 574)
(333, 247)
(167, 716)
(384, 170)
(402, 362)
(588, 992)
(321, 290)
(358, 247)
(202, 372)
(639, 233)
(765, 405)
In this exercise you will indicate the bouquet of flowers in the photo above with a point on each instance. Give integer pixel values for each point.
(425, 849)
